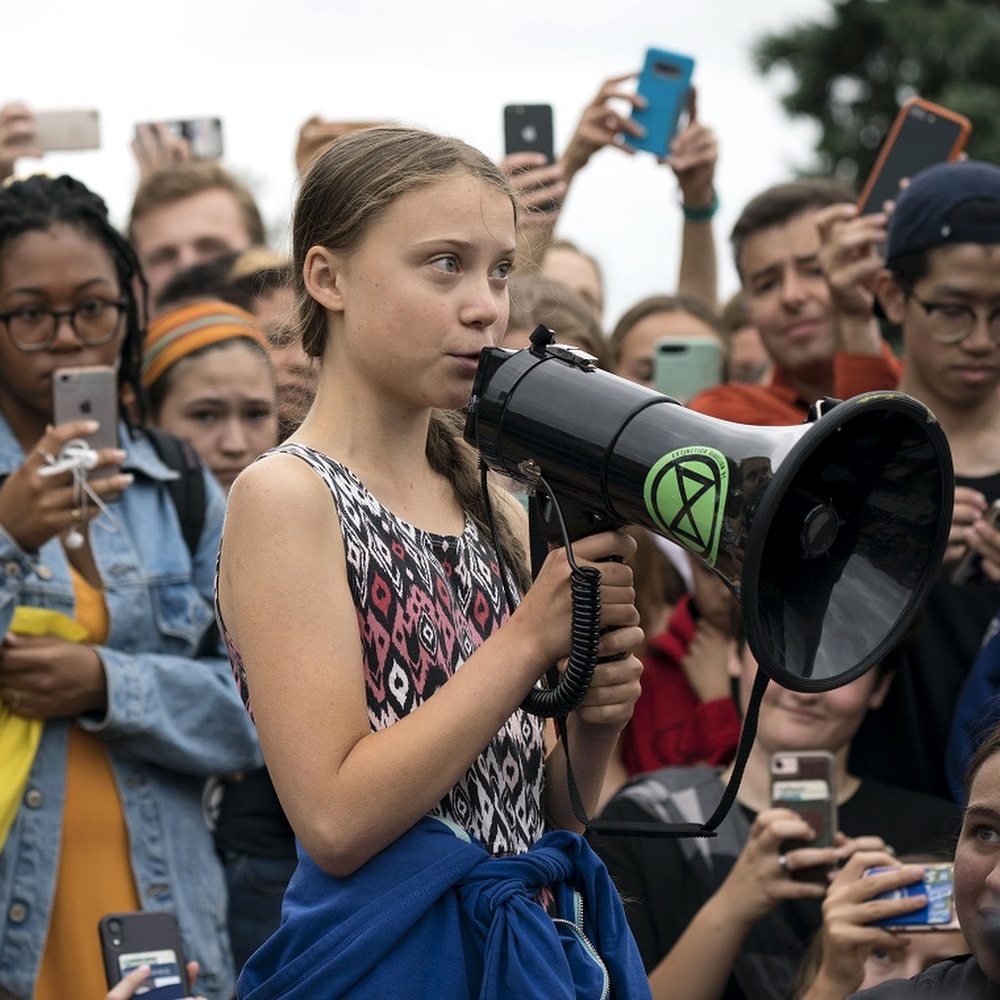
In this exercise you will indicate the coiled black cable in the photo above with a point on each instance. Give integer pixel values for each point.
(564, 693)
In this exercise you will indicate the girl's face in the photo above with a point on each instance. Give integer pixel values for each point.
(977, 869)
(425, 292)
(790, 720)
(223, 402)
(59, 268)
(923, 949)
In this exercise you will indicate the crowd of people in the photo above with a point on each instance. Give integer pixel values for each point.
(265, 662)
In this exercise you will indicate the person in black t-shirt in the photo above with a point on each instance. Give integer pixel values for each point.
(726, 917)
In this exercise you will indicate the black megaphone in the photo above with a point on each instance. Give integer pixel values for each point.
(830, 533)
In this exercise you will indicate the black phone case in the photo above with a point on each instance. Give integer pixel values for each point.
(144, 934)
(922, 135)
(527, 128)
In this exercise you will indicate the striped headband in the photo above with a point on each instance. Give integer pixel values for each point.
(181, 330)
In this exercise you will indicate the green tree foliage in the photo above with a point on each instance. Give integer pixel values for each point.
(853, 69)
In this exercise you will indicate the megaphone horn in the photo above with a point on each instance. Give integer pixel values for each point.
(829, 532)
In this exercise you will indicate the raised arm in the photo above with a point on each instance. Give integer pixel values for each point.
(693, 157)
(17, 136)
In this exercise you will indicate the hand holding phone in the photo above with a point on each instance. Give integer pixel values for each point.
(156, 145)
(968, 571)
(665, 86)
(89, 393)
(938, 913)
(148, 937)
(317, 133)
(17, 136)
(528, 128)
(803, 781)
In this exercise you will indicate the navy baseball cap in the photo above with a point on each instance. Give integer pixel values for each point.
(947, 203)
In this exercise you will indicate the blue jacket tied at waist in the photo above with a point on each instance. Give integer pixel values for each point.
(434, 915)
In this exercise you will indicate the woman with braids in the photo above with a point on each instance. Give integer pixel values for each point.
(120, 709)
(363, 604)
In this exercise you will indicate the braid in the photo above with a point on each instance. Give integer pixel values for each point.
(450, 456)
(38, 203)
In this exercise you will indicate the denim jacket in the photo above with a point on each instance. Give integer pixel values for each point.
(174, 717)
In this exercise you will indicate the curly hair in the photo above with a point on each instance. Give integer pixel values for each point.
(36, 204)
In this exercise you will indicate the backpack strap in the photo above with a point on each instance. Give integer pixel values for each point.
(188, 489)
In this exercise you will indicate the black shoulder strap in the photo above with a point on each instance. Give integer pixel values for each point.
(188, 490)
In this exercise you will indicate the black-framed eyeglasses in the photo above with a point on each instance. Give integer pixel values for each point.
(95, 322)
(952, 322)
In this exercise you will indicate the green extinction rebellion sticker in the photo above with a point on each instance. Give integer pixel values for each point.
(685, 494)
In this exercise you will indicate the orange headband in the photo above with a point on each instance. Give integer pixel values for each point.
(184, 329)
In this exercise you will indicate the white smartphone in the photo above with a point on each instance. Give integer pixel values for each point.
(68, 130)
(88, 394)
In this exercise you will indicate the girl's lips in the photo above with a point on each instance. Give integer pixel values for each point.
(467, 361)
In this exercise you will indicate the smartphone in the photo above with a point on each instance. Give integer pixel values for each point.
(68, 130)
(665, 82)
(204, 135)
(683, 366)
(968, 571)
(803, 781)
(938, 885)
(89, 394)
(528, 128)
(148, 937)
(922, 135)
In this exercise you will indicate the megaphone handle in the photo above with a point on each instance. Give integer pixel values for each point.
(559, 699)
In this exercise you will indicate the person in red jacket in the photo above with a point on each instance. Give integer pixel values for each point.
(807, 263)
(686, 713)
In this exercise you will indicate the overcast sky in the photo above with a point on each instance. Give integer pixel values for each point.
(266, 67)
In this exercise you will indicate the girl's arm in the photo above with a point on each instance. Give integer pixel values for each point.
(349, 792)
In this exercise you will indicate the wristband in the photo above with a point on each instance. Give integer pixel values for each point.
(701, 213)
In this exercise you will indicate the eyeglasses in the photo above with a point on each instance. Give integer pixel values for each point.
(94, 322)
(952, 322)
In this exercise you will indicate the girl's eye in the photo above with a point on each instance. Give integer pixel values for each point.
(881, 956)
(91, 309)
(986, 834)
(448, 264)
(259, 415)
(503, 270)
(202, 416)
(31, 314)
